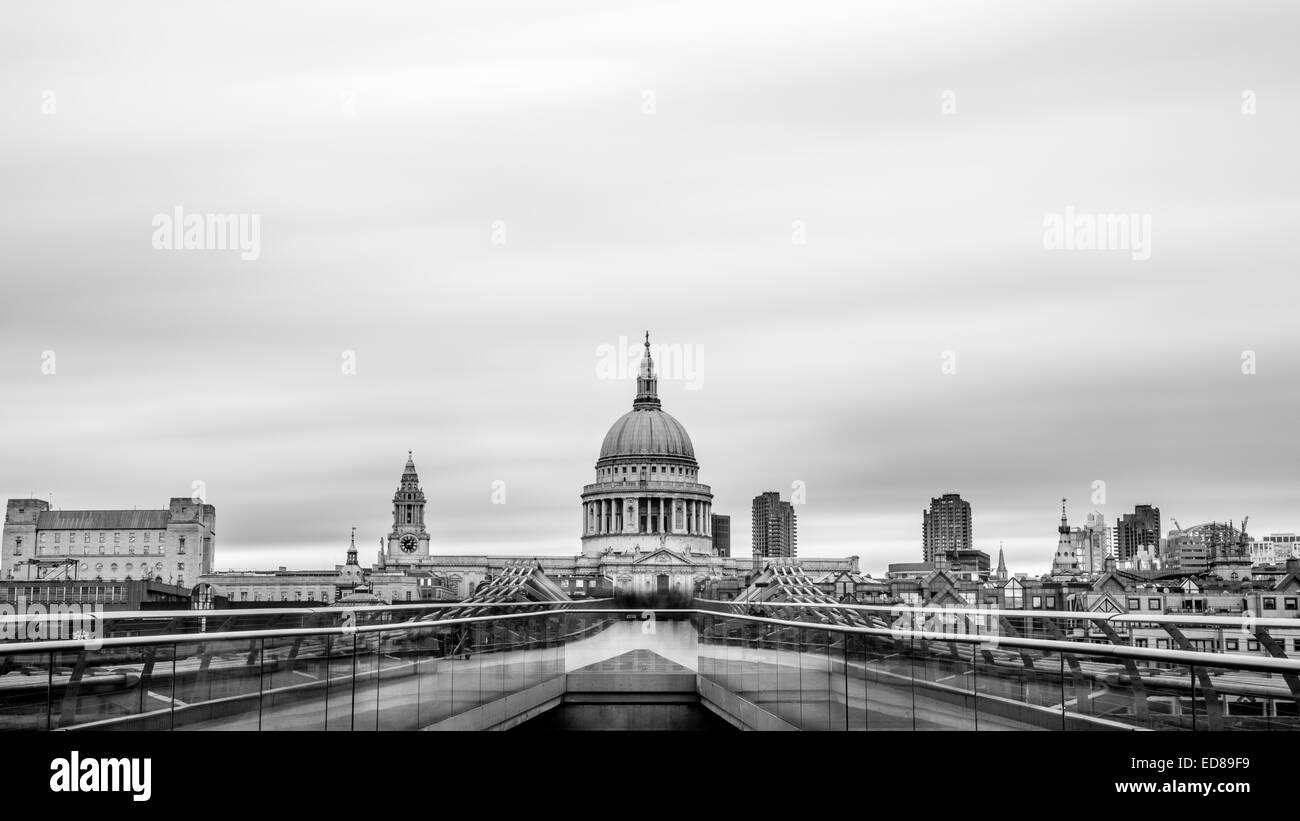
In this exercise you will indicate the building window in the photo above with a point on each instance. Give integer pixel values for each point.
(1153, 604)
(1252, 646)
(243, 596)
(146, 535)
(1162, 644)
(1037, 603)
(180, 566)
(180, 545)
(1051, 602)
(1270, 603)
(130, 537)
(58, 537)
(101, 538)
(117, 537)
(1290, 603)
(18, 546)
(1231, 645)
(1140, 642)
(1134, 604)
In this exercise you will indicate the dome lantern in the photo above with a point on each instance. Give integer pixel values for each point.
(647, 386)
(646, 430)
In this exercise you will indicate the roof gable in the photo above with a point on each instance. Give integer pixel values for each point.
(1289, 583)
(663, 555)
(1106, 604)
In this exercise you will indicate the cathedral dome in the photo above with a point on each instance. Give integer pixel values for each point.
(647, 432)
(646, 495)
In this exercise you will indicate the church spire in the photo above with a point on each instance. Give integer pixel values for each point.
(1065, 560)
(352, 549)
(1002, 563)
(410, 479)
(647, 386)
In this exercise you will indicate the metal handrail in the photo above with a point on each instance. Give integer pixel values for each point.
(117, 615)
(14, 648)
(1212, 621)
(1077, 615)
(1185, 657)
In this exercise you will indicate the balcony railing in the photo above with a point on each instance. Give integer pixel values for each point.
(649, 485)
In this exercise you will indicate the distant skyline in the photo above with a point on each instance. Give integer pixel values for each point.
(841, 206)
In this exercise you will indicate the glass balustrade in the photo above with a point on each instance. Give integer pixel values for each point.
(395, 672)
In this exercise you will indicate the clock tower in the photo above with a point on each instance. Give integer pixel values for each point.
(408, 543)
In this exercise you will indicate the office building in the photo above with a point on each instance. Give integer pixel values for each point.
(1138, 532)
(774, 532)
(946, 526)
(721, 535)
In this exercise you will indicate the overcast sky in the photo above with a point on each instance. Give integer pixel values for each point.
(818, 199)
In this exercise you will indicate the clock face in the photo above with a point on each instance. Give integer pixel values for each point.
(409, 543)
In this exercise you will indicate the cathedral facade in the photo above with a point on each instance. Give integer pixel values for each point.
(646, 521)
(647, 493)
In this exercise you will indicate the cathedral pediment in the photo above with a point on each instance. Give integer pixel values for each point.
(663, 556)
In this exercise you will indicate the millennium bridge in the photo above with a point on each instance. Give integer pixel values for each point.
(794, 663)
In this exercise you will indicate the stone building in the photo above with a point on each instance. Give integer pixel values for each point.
(283, 585)
(174, 545)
